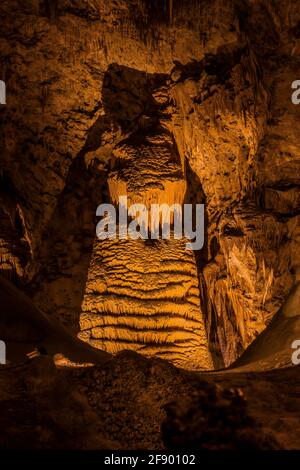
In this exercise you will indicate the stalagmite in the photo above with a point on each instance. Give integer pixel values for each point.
(143, 294)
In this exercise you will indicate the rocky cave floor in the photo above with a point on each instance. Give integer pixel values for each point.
(210, 90)
(136, 403)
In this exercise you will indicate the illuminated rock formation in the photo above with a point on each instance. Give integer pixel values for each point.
(150, 170)
(81, 80)
(144, 294)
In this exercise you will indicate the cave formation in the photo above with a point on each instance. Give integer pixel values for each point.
(165, 102)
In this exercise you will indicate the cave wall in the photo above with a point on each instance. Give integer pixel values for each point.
(84, 76)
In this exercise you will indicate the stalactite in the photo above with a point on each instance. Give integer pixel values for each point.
(51, 8)
(171, 10)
